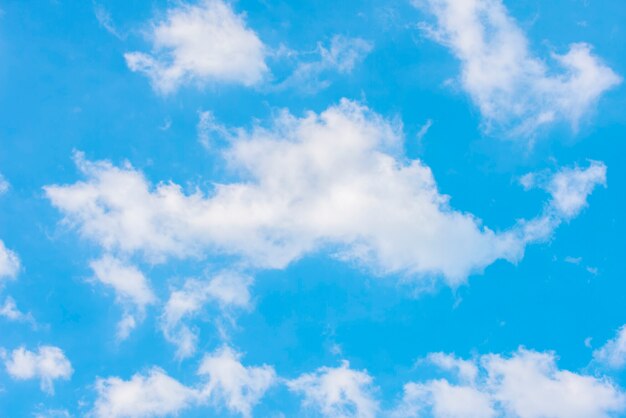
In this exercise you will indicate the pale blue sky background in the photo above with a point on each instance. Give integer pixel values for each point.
(65, 86)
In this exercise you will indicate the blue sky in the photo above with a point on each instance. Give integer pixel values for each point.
(279, 209)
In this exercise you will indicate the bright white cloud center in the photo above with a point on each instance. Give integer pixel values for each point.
(526, 385)
(334, 180)
(203, 43)
(515, 91)
(47, 364)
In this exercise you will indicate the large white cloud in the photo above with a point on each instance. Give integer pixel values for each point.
(335, 181)
(226, 383)
(339, 392)
(47, 364)
(203, 43)
(527, 384)
(516, 91)
(227, 290)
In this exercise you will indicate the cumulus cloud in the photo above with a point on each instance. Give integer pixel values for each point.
(516, 92)
(341, 56)
(47, 364)
(154, 395)
(229, 383)
(339, 392)
(613, 353)
(335, 181)
(131, 288)
(527, 384)
(9, 263)
(229, 291)
(203, 43)
(226, 383)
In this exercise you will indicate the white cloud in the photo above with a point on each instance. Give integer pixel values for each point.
(209, 130)
(515, 91)
(106, 21)
(341, 56)
(9, 263)
(334, 180)
(424, 130)
(203, 43)
(569, 187)
(9, 311)
(233, 385)
(4, 185)
(227, 383)
(130, 285)
(53, 413)
(47, 364)
(444, 400)
(613, 353)
(337, 392)
(228, 290)
(153, 395)
(527, 384)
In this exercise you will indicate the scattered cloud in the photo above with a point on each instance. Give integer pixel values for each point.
(320, 181)
(106, 21)
(9, 263)
(516, 92)
(424, 130)
(201, 44)
(226, 383)
(613, 353)
(131, 288)
(153, 395)
(53, 413)
(339, 392)
(4, 185)
(209, 130)
(341, 56)
(229, 291)
(47, 364)
(527, 384)
(10, 311)
(229, 383)
(569, 187)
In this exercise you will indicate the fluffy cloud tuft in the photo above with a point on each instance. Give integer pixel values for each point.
(527, 384)
(228, 290)
(203, 43)
(515, 91)
(337, 392)
(47, 364)
(613, 353)
(131, 288)
(227, 383)
(231, 384)
(9, 263)
(155, 394)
